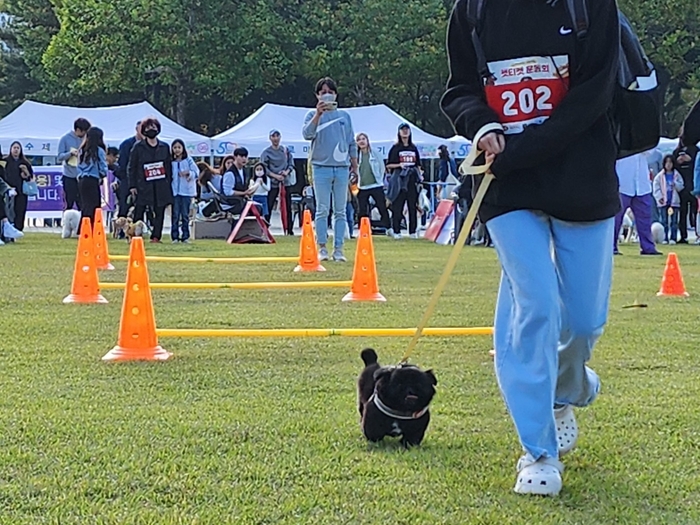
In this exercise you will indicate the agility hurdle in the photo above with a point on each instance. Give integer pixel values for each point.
(138, 335)
(323, 332)
(224, 260)
(235, 286)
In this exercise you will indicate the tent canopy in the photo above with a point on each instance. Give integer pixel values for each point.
(380, 123)
(39, 127)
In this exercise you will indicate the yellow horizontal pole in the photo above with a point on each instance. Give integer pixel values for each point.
(323, 332)
(235, 286)
(242, 260)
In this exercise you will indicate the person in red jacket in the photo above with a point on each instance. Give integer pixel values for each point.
(539, 109)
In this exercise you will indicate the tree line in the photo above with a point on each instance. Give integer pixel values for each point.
(208, 64)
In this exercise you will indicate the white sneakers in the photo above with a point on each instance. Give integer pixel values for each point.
(10, 232)
(541, 477)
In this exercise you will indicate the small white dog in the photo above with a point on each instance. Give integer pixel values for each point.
(657, 232)
(71, 223)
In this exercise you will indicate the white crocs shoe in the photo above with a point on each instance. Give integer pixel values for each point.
(567, 429)
(541, 477)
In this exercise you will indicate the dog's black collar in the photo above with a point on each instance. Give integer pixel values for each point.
(396, 414)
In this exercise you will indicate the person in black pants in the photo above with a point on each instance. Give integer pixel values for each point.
(17, 170)
(685, 164)
(150, 176)
(92, 169)
(68, 153)
(404, 156)
(121, 172)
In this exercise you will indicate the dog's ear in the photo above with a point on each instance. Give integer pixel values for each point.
(430, 374)
(383, 372)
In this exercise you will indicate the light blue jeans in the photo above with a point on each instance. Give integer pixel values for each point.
(331, 181)
(551, 309)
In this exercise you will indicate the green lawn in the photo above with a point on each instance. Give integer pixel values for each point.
(265, 431)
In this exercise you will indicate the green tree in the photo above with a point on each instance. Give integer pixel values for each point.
(196, 48)
(670, 33)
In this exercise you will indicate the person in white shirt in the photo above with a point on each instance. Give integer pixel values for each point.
(260, 184)
(635, 192)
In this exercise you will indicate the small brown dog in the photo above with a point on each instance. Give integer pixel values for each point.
(394, 400)
(130, 228)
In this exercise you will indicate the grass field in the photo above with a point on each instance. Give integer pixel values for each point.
(265, 431)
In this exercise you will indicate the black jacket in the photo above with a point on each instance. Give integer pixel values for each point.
(151, 173)
(13, 175)
(124, 154)
(565, 165)
(691, 126)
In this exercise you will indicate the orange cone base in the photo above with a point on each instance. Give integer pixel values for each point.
(108, 267)
(352, 296)
(125, 354)
(664, 294)
(90, 299)
(300, 268)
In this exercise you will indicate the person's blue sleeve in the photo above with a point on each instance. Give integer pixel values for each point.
(63, 150)
(696, 177)
(102, 164)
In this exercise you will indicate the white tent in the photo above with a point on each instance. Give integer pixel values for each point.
(39, 127)
(379, 122)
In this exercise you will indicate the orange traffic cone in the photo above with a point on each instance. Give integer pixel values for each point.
(85, 288)
(137, 327)
(98, 237)
(364, 276)
(672, 281)
(308, 253)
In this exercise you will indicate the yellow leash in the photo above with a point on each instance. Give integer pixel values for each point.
(467, 168)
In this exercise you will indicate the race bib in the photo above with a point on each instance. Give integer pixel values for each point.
(407, 157)
(154, 171)
(525, 91)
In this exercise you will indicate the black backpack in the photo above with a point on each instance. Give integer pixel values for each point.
(636, 109)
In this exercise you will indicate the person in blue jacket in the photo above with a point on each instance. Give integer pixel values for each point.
(185, 175)
(92, 169)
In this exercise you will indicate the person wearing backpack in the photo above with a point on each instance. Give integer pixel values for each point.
(534, 93)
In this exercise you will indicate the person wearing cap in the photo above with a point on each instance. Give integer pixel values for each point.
(332, 158)
(279, 163)
(121, 172)
(150, 176)
(404, 163)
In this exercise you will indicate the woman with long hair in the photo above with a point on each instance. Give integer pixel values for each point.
(151, 176)
(7, 230)
(404, 161)
(92, 169)
(185, 173)
(371, 180)
(18, 170)
(207, 174)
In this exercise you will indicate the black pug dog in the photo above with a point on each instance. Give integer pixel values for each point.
(394, 400)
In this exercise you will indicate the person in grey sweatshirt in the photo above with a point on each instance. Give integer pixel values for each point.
(68, 151)
(333, 156)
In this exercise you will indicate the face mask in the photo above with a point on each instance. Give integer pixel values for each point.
(151, 133)
(328, 97)
(259, 173)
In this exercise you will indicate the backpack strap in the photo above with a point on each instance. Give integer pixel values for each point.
(475, 11)
(579, 16)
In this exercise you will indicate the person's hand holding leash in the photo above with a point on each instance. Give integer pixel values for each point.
(492, 142)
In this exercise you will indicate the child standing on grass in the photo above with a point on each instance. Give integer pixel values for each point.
(260, 182)
(667, 187)
(184, 184)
